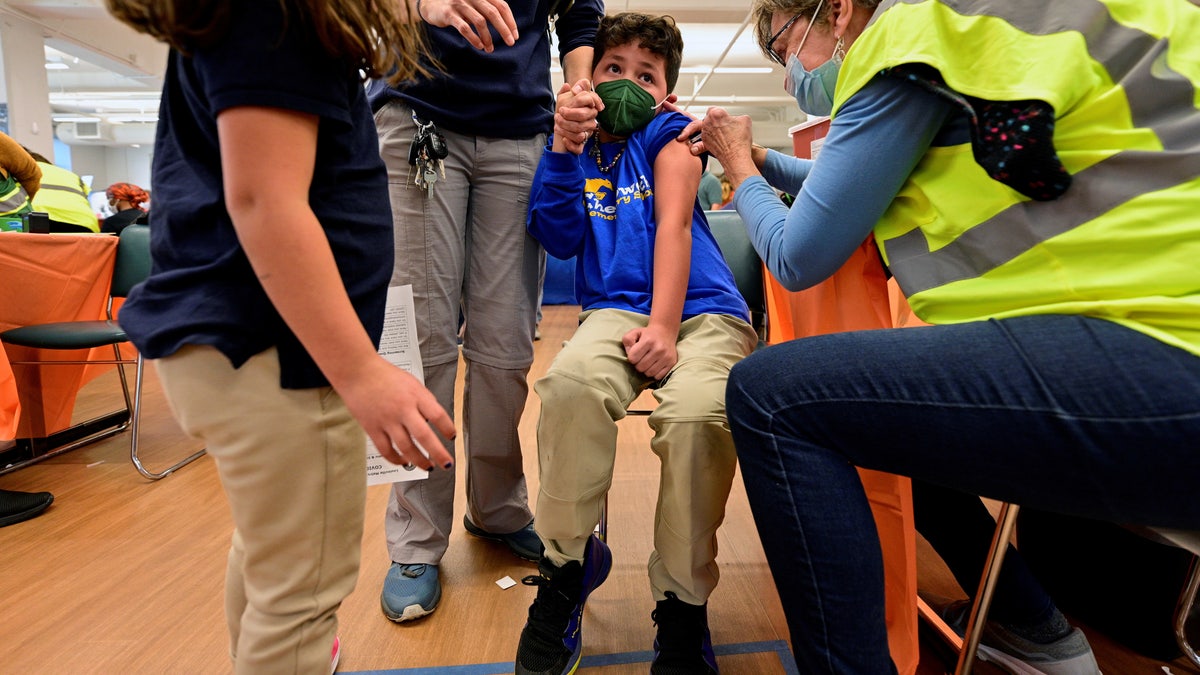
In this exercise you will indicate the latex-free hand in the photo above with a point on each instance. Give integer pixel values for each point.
(691, 130)
(726, 136)
(471, 19)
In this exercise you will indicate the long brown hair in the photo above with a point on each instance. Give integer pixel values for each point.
(374, 34)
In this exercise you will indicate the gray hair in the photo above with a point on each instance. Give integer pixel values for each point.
(762, 11)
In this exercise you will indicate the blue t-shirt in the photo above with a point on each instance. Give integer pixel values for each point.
(505, 94)
(607, 221)
(202, 289)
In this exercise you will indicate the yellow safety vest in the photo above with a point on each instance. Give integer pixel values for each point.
(1123, 242)
(64, 196)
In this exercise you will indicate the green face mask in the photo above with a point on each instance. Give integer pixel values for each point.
(627, 107)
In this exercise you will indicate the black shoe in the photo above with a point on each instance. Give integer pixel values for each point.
(18, 506)
(683, 645)
(552, 640)
(524, 543)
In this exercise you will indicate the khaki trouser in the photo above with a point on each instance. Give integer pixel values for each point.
(587, 389)
(293, 465)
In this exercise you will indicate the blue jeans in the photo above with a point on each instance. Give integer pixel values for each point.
(1064, 413)
(959, 528)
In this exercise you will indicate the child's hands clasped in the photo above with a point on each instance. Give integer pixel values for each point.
(575, 116)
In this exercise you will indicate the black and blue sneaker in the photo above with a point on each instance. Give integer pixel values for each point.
(683, 645)
(552, 640)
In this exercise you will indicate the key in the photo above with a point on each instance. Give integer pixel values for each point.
(430, 176)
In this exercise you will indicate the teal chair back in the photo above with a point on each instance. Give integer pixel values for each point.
(133, 260)
(730, 232)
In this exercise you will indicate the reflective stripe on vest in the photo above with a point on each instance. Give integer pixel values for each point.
(1155, 93)
(67, 188)
(14, 201)
(1123, 242)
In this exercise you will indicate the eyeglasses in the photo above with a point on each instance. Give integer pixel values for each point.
(771, 43)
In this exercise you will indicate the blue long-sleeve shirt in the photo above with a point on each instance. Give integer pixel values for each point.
(873, 144)
(504, 94)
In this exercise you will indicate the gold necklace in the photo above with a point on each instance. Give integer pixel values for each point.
(595, 152)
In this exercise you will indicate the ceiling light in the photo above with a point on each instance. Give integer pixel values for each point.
(728, 70)
(56, 65)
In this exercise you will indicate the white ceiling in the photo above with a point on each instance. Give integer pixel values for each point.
(115, 75)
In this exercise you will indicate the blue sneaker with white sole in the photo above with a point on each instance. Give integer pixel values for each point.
(410, 591)
(552, 640)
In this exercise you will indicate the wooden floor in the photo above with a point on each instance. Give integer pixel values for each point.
(122, 575)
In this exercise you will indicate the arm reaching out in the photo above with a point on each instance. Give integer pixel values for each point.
(267, 156)
(471, 19)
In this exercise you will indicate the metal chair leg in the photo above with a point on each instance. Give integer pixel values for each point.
(1187, 600)
(134, 428)
(1005, 522)
(602, 526)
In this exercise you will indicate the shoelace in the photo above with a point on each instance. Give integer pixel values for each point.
(551, 610)
(680, 633)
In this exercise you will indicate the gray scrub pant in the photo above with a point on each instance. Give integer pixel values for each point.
(464, 245)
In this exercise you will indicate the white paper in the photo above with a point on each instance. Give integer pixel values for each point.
(506, 583)
(814, 148)
(398, 346)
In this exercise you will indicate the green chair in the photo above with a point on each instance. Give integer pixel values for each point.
(743, 261)
(131, 267)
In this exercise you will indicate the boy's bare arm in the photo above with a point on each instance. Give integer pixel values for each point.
(676, 177)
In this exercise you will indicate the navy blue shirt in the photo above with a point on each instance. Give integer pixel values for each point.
(201, 289)
(505, 94)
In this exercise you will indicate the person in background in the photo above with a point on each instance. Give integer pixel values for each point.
(266, 302)
(126, 200)
(660, 308)
(64, 197)
(490, 108)
(20, 178)
(709, 192)
(1031, 184)
(726, 193)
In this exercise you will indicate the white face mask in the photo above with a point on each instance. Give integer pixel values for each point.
(813, 89)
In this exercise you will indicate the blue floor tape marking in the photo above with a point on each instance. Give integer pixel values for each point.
(779, 647)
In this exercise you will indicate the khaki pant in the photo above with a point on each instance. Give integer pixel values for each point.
(587, 389)
(293, 465)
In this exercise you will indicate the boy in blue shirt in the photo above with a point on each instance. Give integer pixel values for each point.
(660, 307)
